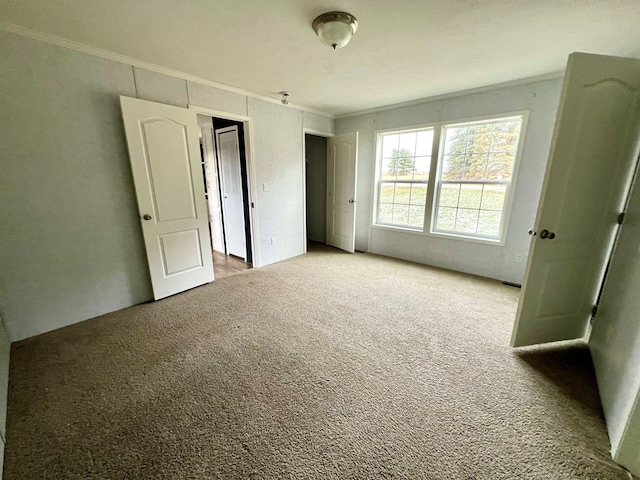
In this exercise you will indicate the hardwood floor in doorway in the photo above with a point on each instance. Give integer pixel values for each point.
(225, 265)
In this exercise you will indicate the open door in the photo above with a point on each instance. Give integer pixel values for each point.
(341, 191)
(167, 173)
(615, 341)
(590, 167)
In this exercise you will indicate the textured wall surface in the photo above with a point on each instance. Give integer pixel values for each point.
(72, 246)
(71, 240)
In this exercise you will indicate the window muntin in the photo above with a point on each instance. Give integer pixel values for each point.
(476, 164)
(404, 168)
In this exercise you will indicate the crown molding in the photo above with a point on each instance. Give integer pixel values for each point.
(134, 62)
(471, 91)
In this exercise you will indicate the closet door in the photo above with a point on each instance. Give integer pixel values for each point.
(342, 163)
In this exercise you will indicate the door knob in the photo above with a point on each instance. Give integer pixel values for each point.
(352, 201)
(146, 216)
(547, 234)
(532, 232)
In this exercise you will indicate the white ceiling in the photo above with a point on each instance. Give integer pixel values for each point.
(404, 49)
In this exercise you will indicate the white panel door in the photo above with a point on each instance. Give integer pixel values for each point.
(588, 175)
(167, 173)
(231, 184)
(341, 191)
(213, 190)
(615, 341)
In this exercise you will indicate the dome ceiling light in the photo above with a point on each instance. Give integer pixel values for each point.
(335, 28)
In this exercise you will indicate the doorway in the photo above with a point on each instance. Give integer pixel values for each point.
(227, 191)
(315, 151)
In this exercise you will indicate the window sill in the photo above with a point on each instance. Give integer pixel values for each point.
(442, 235)
(391, 228)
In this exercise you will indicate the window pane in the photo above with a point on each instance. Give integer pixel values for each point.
(479, 138)
(416, 216)
(475, 166)
(467, 220)
(388, 169)
(419, 194)
(386, 192)
(389, 143)
(453, 167)
(505, 136)
(403, 194)
(446, 218)
(449, 195)
(455, 140)
(489, 222)
(400, 214)
(493, 197)
(402, 164)
(470, 196)
(385, 213)
(408, 142)
(424, 142)
(500, 166)
(422, 167)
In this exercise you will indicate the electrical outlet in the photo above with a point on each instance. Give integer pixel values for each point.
(273, 240)
(518, 258)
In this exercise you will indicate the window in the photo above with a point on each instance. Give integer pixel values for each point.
(471, 170)
(405, 162)
(476, 163)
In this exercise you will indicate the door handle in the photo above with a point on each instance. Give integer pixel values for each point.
(146, 216)
(353, 201)
(547, 234)
(532, 232)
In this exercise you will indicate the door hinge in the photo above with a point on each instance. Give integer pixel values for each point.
(253, 205)
(594, 311)
(621, 218)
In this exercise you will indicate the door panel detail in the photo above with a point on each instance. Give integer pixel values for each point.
(181, 251)
(170, 179)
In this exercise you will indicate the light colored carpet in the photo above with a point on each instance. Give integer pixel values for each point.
(328, 365)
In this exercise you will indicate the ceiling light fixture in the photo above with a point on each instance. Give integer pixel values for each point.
(285, 98)
(335, 28)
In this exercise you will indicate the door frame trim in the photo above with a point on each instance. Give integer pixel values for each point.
(317, 133)
(248, 142)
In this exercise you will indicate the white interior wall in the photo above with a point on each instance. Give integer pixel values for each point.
(494, 261)
(277, 157)
(72, 243)
(71, 238)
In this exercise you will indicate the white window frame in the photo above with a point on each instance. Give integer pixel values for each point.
(378, 176)
(434, 183)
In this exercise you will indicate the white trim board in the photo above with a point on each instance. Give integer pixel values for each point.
(116, 57)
